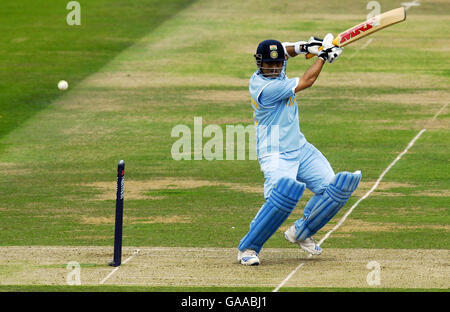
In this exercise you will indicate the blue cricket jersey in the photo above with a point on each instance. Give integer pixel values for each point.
(275, 114)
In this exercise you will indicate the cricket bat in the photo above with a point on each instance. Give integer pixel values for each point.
(368, 27)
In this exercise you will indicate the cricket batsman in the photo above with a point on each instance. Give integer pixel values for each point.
(289, 162)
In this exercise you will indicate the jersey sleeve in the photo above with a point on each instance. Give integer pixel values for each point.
(277, 91)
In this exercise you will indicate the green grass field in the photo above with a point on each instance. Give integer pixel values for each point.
(138, 69)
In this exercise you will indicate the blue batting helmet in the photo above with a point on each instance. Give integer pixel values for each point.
(269, 51)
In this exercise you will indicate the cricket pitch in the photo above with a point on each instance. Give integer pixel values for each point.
(217, 267)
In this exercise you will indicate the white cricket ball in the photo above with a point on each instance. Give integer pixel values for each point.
(63, 85)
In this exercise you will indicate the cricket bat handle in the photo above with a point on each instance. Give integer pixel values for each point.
(310, 55)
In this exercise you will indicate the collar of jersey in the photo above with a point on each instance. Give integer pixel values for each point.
(281, 77)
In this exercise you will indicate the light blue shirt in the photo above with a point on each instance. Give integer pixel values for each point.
(275, 114)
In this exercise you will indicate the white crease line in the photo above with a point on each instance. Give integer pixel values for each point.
(354, 206)
(117, 268)
(362, 48)
(362, 198)
(290, 275)
(109, 275)
(440, 111)
(373, 187)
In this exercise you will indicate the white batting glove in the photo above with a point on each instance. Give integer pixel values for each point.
(330, 52)
(297, 47)
(313, 45)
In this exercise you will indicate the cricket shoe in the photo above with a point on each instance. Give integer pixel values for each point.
(248, 257)
(308, 245)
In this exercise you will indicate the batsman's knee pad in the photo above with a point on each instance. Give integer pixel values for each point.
(325, 206)
(282, 200)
